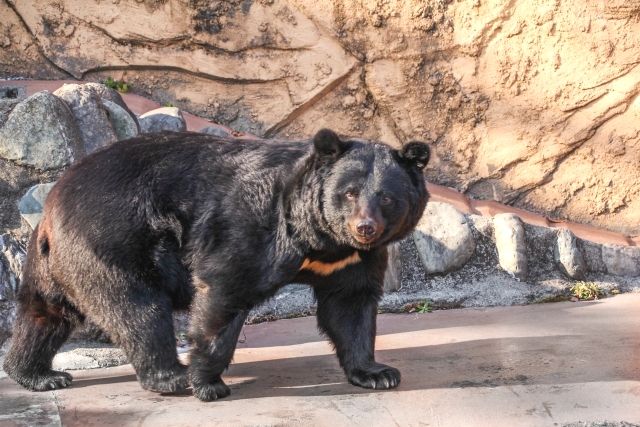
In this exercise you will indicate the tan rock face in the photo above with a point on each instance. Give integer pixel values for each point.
(531, 104)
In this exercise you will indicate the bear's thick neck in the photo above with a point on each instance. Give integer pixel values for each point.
(301, 209)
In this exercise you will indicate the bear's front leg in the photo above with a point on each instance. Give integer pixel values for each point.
(214, 330)
(347, 309)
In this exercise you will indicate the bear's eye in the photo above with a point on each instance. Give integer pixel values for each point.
(350, 195)
(385, 200)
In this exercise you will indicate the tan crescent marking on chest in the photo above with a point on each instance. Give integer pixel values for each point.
(327, 268)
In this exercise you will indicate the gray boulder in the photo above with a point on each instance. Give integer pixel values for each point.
(165, 118)
(7, 319)
(443, 238)
(124, 124)
(112, 95)
(12, 257)
(41, 132)
(621, 260)
(6, 106)
(568, 255)
(393, 274)
(593, 256)
(79, 355)
(31, 204)
(289, 299)
(511, 244)
(90, 114)
(216, 131)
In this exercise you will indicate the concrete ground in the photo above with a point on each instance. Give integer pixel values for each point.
(574, 364)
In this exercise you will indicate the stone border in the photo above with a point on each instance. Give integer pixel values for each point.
(491, 208)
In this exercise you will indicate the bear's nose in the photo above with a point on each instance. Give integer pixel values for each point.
(366, 228)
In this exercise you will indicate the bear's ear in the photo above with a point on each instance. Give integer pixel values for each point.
(328, 143)
(416, 154)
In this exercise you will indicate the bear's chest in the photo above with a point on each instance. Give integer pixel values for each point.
(325, 266)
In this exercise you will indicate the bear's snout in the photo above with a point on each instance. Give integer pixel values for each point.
(366, 228)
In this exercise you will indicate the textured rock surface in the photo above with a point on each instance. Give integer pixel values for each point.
(511, 244)
(621, 261)
(41, 132)
(106, 93)
(90, 114)
(215, 130)
(88, 355)
(569, 256)
(6, 106)
(12, 256)
(31, 204)
(165, 118)
(10, 96)
(15, 180)
(20, 52)
(124, 124)
(593, 257)
(532, 104)
(393, 275)
(443, 238)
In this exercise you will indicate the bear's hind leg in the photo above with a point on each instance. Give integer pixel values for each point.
(215, 332)
(40, 329)
(140, 321)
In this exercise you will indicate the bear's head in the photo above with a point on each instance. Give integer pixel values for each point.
(372, 194)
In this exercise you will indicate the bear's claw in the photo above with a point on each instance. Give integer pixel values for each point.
(378, 376)
(50, 380)
(211, 391)
(166, 381)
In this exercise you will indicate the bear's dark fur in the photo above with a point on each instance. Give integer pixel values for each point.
(182, 220)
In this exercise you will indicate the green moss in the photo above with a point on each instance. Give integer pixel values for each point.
(587, 290)
(119, 85)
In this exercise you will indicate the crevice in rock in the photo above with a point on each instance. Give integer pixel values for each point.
(180, 41)
(36, 42)
(382, 110)
(633, 65)
(581, 106)
(305, 106)
(229, 80)
(608, 115)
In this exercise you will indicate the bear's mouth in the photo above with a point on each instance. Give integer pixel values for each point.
(365, 240)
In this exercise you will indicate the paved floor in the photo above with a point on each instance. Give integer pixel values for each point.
(551, 364)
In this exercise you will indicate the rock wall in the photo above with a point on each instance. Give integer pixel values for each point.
(530, 103)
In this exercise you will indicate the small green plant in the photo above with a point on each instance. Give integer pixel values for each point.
(168, 104)
(421, 307)
(119, 85)
(425, 307)
(586, 290)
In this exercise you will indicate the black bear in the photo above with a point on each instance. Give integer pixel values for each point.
(183, 220)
